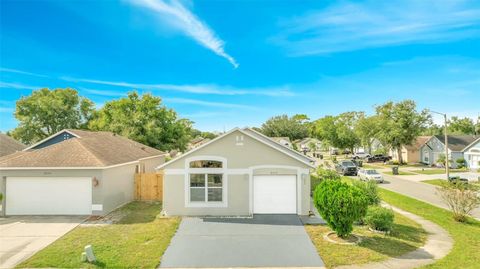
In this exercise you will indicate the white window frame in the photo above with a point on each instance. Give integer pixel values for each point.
(206, 171)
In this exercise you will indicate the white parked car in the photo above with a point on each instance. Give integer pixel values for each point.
(361, 155)
(370, 174)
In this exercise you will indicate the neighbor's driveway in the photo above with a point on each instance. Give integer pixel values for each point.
(23, 236)
(261, 241)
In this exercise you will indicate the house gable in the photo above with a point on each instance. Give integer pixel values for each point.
(241, 151)
(54, 139)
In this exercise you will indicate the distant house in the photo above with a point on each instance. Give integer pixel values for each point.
(197, 141)
(434, 147)
(9, 145)
(471, 154)
(375, 146)
(74, 172)
(410, 153)
(306, 142)
(283, 141)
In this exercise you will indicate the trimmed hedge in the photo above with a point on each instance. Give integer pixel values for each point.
(340, 205)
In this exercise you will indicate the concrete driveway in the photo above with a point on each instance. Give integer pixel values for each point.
(261, 241)
(23, 236)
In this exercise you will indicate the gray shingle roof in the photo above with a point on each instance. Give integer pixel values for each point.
(458, 142)
(91, 149)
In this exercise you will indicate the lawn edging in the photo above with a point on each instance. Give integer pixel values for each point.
(466, 236)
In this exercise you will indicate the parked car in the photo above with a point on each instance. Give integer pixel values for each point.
(455, 179)
(346, 151)
(346, 168)
(378, 158)
(370, 174)
(361, 155)
(334, 151)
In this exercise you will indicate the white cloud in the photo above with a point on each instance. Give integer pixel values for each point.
(183, 19)
(348, 26)
(19, 86)
(197, 88)
(10, 70)
(205, 103)
(103, 92)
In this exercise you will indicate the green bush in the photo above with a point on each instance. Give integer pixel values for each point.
(379, 218)
(340, 205)
(370, 189)
(327, 174)
(460, 162)
(334, 159)
(314, 181)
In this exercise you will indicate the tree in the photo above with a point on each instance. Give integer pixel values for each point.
(46, 112)
(145, 120)
(338, 131)
(400, 124)
(325, 130)
(433, 129)
(294, 127)
(464, 126)
(366, 130)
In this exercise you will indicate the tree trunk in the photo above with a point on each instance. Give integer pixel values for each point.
(399, 153)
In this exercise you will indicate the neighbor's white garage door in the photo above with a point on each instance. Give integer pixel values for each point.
(274, 194)
(49, 196)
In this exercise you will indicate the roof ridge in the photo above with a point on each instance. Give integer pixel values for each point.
(80, 142)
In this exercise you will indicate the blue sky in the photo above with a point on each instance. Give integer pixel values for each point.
(236, 63)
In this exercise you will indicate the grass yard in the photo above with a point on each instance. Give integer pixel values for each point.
(406, 236)
(138, 240)
(465, 253)
(436, 171)
(400, 173)
(436, 182)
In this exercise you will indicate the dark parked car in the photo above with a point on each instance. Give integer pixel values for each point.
(455, 179)
(378, 158)
(346, 168)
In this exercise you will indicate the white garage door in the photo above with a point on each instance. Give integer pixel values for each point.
(274, 195)
(49, 196)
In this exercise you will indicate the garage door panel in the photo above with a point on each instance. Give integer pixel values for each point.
(275, 195)
(48, 196)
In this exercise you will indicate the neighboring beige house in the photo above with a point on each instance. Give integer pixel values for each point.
(9, 145)
(74, 172)
(197, 141)
(239, 173)
(304, 144)
(411, 153)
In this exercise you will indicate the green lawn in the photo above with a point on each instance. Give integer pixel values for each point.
(400, 173)
(436, 182)
(466, 249)
(406, 236)
(138, 240)
(436, 171)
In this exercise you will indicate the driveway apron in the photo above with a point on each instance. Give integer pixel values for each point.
(23, 236)
(261, 241)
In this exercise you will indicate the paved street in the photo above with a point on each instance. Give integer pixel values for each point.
(421, 191)
(23, 236)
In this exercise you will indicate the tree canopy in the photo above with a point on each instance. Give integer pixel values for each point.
(464, 126)
(46, 112)
(294, 127)
(145, 120)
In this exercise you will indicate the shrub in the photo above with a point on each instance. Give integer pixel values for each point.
(460, 162)
(327, 174)
(370, 189)
(379, 218)
(334, 159)
(461, 198)
(314, 181)
(340, 204)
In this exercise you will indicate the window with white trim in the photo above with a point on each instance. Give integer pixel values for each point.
(206, 187)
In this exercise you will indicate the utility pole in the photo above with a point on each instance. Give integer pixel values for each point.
(447, 163)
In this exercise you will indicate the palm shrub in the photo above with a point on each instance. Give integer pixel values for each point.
(379, 218)
(340, 205)
(460, 162)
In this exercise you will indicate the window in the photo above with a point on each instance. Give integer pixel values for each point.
(205, 164)
(206, 187)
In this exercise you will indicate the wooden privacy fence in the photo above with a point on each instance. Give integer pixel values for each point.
(149, 187)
